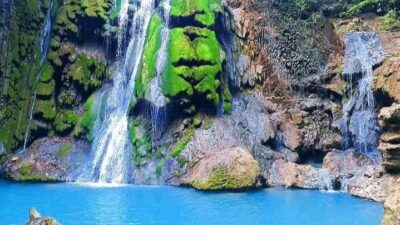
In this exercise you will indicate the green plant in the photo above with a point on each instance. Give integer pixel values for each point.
(391, 21)
(64, 150)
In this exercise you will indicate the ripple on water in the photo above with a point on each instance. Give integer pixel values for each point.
(91, 204)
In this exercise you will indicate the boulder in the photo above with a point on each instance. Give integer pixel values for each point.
(356, 174)
(36, 219)
(228, 169)
(392, 206)
(371, 183)
(289, 174)
(343, 163)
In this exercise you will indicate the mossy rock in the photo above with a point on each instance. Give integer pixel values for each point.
(229, 169)
(149, 57)
(200, 12)
(87, 72)
(194, 64)
(141, 142)
(84, 127)
(65, 121)
(45, 109)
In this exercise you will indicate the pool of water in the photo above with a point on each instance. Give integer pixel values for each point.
(80, 205)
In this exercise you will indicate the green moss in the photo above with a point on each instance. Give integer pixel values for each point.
(46, 89)
(47, 73)
(28, 173)
(65, 121)
(159, 168)
(203, 11)
(181, 145)
(85, 126)
(227, 101)
(141, 141)
(45, 109)
(25, 169)
(367, 5)
(221, 179)
(87, 72)
(64, 150)
(391, 21)
(181, 161)
(194, 64)
(149, 57)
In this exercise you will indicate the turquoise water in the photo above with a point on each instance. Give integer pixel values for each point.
(81, 205)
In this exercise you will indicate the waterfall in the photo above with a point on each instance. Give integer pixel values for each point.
(44, 47)
(360, 128)
(158, 101)
(111, 151)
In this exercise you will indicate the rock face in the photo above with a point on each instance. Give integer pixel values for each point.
(389, 119)
(228, 169)
(47, 160)
(387, 79)
(356, 174)
(36, 219)
(289, 174)
(392, 206)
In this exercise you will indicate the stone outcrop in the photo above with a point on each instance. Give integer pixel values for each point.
(356, 174)
(292, 175)
(36, 219)
(387, 79)
(392, 206)
(389, 119)
(228, 169)
(47, 160)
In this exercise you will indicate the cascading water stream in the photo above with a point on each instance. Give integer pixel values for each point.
(158, 101)
(111, 150)
(360, 129)
(44, 47)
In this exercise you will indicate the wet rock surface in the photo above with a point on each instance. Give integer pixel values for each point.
(292, 175)
(356, 174)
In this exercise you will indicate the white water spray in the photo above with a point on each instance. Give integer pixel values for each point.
(111, 150)
(360, 129)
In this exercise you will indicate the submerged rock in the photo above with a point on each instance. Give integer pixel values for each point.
(392, 206)
(36, 219)
(228, 169)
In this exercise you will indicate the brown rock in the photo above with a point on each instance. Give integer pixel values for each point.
(233, 168)
(387, 79)
(392, 206)
(288, 174)
(344, 162)
(370, 183)
(389, 117)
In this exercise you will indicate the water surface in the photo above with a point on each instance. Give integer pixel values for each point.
(75, 204)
